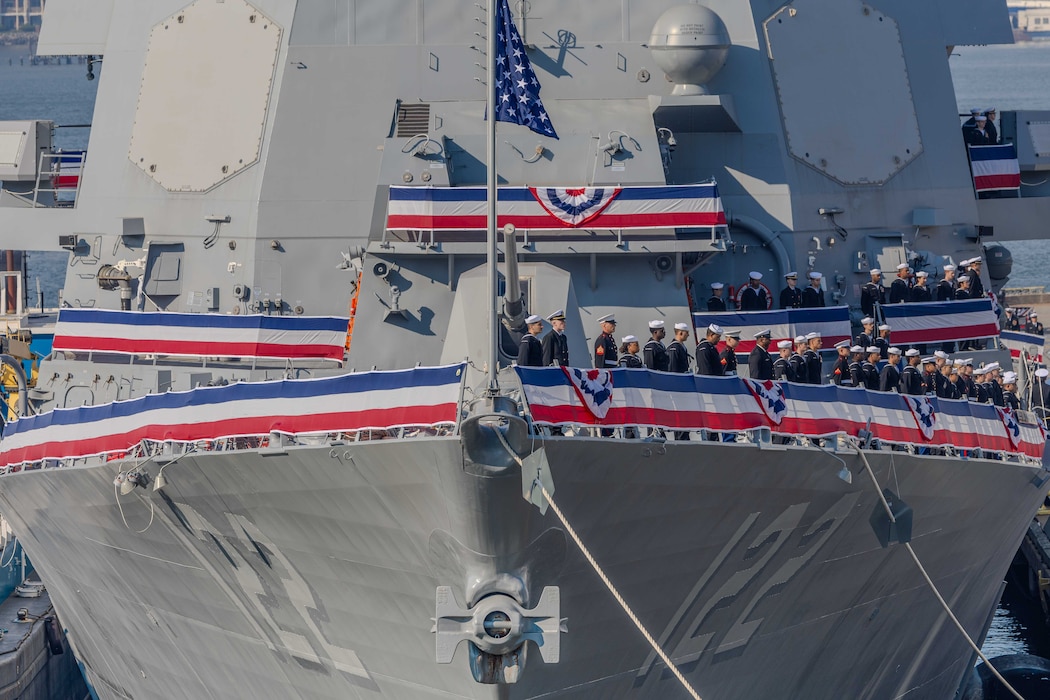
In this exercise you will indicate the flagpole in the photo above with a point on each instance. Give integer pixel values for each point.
(490, 156)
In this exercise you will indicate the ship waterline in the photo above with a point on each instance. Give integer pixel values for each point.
(311, 572)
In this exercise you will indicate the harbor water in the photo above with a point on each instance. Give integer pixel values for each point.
(1006, 77)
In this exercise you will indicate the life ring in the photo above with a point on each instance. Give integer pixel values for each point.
(762, 285)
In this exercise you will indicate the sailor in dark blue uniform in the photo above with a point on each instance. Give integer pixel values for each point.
(868, 335)
(1010, 399)
(946, 287)
(605, 353)
(629, 353)
(555, 344)
(920, 292)
(791, 295)
(799, 368)
(654, 355)
(753, 298)
(890, 377)
(781, 367)
(995, 389)
(715, 302)
(813, 295)
(883, 341)
(530, 351)
(980, 385)
(856, 365)
(759, 362)
(900, 289)
(911, 377)
(814, 365)
(678, 358)
(872, 293)
(870, 368)
(707, 359)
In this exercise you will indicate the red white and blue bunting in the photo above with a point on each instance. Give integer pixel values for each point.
(693, 402)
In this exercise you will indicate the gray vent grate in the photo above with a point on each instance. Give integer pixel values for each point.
(413, 119)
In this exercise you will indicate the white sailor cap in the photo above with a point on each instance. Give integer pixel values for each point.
(958, 362)
(1009, 309)
(941, 354)
(800, 339)
(991, 366)
(628, 339)
(902, 266)
(653, 325)
(607, 318)
(815, 275)
(842, 344)
(976, 110)
(928, 360)
(980, 117)
(872, 349)
(976, 261)
(784, 345)
(949, 268)
(912, 352)
(754, 275)
(894, 351)
(856, 348)
(717, 285)
(791, 275)
(979, 372)
(885, 327)
(764, 333)
(968, 362)
(713, 328)
(811, 336)
(964, 278)
(1009, 377)
(875, 271)
(558, 315)
(1042, 372)
(533, 319)
(922, 273)
(1033, 315)
(867, 321)
(953, 370)
(682, 327)
(966, 262)
(735, 333)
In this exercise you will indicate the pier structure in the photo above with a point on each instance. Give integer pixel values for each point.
(18, 14)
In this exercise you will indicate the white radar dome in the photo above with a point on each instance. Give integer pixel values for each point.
(690, 44)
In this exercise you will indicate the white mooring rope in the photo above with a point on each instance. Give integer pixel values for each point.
(616, 594)
(932, 586)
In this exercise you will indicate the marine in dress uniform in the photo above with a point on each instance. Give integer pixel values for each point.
(629, 355)
(929, 376)
(900, 289)
(678, 359)
(791, 295)
(753, 297)
(890, 376)
(781, 367)
(911, 379)
(708, 361)
(605, 351)
(530, 350)
(759, 362)
(555, 344)
(654, 355)
(872, 293)
(715, 302)
(946, 287)
(728, 355)
(813, 295)
(840, 371)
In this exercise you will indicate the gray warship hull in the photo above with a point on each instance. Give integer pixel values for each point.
(310, 572)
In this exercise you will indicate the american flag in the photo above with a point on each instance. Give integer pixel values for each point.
(517, 89)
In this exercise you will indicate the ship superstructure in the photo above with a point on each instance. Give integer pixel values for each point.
(340, 514)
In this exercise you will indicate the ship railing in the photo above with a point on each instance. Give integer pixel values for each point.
(61, 170)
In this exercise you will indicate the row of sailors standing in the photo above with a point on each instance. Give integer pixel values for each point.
(753, 297)
(979, 129)
(914, 288)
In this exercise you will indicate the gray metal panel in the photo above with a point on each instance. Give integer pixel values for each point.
(75, 27)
